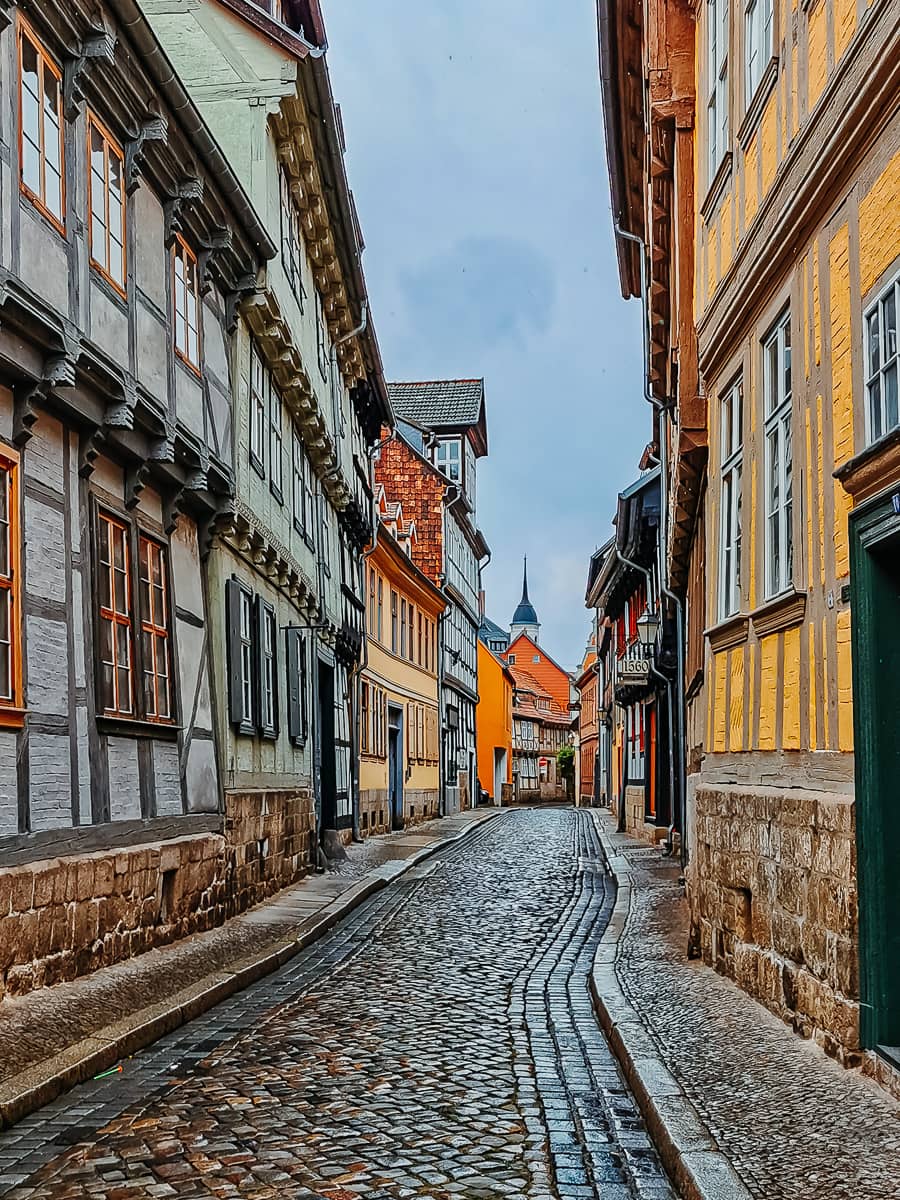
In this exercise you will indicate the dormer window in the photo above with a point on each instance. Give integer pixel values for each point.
(448, 458)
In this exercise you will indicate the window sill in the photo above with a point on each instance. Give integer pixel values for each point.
(782, 612)
(134, 727)
(717, 187)
(11, 717)
(754, 112)
(192, 369)
(276, 492)
(114, 291)
(257, 465)
(733, 631)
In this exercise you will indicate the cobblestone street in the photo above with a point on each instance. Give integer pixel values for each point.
(440, 1042)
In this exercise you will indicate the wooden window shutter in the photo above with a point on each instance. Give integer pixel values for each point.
(233, 625)
(296, 687)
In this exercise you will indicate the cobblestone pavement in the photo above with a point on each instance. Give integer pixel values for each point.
(438, 1043)
(793, 1123)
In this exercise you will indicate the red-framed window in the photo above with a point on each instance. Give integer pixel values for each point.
(155, 630)
(116, 650)
(186, 303)
(41, 128)
(106, 203)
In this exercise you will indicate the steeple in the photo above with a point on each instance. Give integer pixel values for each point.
(525, 618)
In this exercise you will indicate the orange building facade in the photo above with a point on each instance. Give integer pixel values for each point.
(493, 725)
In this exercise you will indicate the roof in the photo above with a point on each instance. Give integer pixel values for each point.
(525, 613)
(527, 682)
(438, 402)
(490, 629)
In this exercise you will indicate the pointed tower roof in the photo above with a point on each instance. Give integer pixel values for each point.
(525, 614)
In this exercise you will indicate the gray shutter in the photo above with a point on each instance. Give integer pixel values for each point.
(233, 626)
(292, 668)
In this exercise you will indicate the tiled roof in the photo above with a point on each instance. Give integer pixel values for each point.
(527, 682)
(437, 402)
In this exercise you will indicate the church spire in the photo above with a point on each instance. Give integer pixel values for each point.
(525, 618)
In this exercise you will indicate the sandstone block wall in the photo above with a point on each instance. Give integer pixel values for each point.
(375, 809)
(772, 889)
(68, 916)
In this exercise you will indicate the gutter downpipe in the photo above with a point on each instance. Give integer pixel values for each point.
(664, 408)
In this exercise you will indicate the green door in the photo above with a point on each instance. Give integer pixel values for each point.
(875, 538)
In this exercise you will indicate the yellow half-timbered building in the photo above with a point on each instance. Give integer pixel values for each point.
(763, 228)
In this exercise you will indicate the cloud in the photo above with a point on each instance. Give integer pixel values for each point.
(486, 289)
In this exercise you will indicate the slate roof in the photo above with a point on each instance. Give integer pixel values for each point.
(491, 630)
(438, 402)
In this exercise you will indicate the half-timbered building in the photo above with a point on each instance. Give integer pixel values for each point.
(286, 564)
(126, 243)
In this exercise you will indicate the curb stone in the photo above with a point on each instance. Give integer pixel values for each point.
(686, 1146)
(36, 1086)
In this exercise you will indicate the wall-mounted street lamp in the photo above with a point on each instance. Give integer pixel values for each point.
(648, 627)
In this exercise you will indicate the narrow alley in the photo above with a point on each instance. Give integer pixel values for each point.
(439, 1042)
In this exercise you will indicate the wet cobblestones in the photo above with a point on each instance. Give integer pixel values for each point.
(438, 1043)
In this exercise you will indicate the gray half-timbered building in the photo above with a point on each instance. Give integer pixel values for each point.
(286, 564)
(126, 245)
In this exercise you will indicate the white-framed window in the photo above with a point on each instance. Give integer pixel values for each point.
(300, 481)
(259, 391)
(882, 363)
(757, 43)
(321, 338)
(267, 674)
(717, 31)
(732, 412)
(291, 242)
(447, 458)
(245, 604)
(276, 443)
(779, 456)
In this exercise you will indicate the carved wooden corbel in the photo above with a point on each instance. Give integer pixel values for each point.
(243, 289)
(172, 509)
(154, 129)
(121, 415)
(136, 479)
(100, 43)
(91, 445)
(189, 191)
(163, 448)
(59, 371)
(219, 240)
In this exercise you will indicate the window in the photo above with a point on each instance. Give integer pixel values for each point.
(42, 129)
(268, 672)
(186, 290)
(380, 607)
(116, 685)
(259, 393)
(732, 461)
(757, 43)
(291, 241)
(778, 413)
(299, 468)
(882, 363)
(536, 658)
(393, 621)
(365, 716)
(371, 625)
(403, 628)
(10, 642)
(321, 339)
(326, 540)
(276, 443)
(716, 83)
(511, 658)
(155, 630)
(419, 644)
(106, 200)
(298, 720)
(447, 459)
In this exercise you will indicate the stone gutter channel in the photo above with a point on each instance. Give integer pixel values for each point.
(43, 1079)
(686, 1146)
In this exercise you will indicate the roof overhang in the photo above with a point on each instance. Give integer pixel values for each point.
(619, 24)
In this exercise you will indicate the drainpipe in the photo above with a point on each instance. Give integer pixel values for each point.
(664, 408)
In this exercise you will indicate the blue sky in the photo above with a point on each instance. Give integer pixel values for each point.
(475, 152)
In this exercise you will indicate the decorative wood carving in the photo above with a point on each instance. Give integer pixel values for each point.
(154, 129)
(99, 44)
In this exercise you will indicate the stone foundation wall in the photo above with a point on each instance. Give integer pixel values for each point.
(68, 916)
(772, 889)
(374, 811)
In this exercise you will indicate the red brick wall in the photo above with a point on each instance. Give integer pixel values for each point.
(418, 487)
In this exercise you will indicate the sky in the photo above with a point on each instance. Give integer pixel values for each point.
(475, 153)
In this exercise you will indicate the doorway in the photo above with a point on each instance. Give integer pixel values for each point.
(395, 765)
(325, 747)
(875, 632)
(499, 774)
